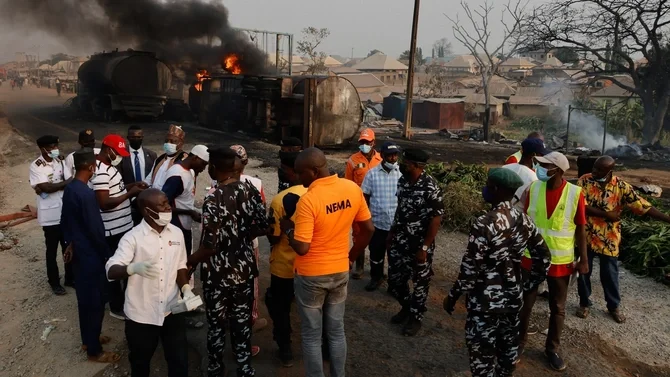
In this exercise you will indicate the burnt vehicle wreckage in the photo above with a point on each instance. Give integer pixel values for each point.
(320, 110)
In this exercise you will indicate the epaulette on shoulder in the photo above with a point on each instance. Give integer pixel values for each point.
(61, 158)
(39, 162)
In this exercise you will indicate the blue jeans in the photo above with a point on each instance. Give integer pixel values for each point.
(318, 297)
(609, 277)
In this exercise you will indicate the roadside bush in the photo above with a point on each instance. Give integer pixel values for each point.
(461, 186)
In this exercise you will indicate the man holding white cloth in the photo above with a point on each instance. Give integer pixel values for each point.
(153, 258)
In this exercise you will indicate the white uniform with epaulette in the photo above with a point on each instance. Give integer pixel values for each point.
(49, 206)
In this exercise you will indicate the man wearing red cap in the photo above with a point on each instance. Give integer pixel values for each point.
(114, 201)
(357, 167)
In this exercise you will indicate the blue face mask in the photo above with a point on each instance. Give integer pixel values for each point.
(170, 148)
(542, 173)
(54, 153)
(603, 179)
(365, 148)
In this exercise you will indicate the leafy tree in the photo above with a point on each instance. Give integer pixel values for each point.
(566, 55)
(611, 34)
(375, 51)
(442, 48)
(312, 38)
(55, 58)
(418, 57)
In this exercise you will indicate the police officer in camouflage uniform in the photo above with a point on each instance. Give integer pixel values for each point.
(232, 216)
(412, 239)
(490, 277)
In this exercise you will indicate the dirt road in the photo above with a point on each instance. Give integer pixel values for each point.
(595, 347)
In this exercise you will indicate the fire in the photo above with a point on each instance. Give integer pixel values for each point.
(200, 76)
(231, 63)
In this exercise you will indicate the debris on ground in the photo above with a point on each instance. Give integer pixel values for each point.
(46, 332)
(652, 190)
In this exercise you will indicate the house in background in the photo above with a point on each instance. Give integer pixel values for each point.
(613, 95)
(539, 101)
(476, 107)
(516, 64)
(388, 70)
(369, 87)
(539, 56)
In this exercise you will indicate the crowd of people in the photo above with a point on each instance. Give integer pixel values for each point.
(123, 217)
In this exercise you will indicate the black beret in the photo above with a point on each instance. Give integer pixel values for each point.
(86, 135)
(84, 156)
(416, 155)
(47, 140)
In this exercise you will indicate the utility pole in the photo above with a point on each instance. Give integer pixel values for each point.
(410, 75)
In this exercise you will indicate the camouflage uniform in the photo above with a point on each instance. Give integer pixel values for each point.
(418, 204)
(490, 277)
(230, 213)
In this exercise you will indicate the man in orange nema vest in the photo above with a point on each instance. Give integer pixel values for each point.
(558, 209)
(358, 166)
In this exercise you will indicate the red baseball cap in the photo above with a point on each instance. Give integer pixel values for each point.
(117, 143)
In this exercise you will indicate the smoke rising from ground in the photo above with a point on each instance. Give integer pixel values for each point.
(590, 130)
(187, 34)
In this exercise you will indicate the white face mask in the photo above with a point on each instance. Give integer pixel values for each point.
(116, 160)
(164, 218)
(390, 166)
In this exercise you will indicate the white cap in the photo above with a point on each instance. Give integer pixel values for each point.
(201, 151)
(555, 158)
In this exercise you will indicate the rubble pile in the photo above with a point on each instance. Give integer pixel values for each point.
(650, 152)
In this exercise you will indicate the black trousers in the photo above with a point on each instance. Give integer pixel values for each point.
(143, 340)
(278, 299)
(90, 304)
(116, 289)
(52, 238)
(378, 253)
(188, 238)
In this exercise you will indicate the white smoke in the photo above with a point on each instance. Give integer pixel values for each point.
(590, 129)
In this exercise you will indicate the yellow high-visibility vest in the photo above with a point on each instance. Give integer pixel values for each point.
(558, 231)
(517, 155)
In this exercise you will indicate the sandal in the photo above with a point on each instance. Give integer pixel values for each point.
(582, 312)
(105, 357)
(617, 316)
(104, 339)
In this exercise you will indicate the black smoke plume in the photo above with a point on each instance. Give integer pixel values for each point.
(187, 34)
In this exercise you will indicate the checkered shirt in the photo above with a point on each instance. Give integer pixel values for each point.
(382, 187)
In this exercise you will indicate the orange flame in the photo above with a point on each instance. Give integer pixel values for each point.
(231, 63)
(200, 76)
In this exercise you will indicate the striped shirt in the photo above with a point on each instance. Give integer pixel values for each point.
(382, 186)
(117, 220)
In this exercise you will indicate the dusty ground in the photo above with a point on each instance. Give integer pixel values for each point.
(593, 347)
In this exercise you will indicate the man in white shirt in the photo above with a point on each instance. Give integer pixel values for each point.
(48, 181)
(152, 257)
(180, 190)
(86, 140)
(173, 148)
(524, 168)
(114, 199)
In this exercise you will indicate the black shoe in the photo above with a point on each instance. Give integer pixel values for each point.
(544, 295)
(373, 285)
(286, 356)
(555, 361)
(58, 290)
(401, 317)
(412, 327)
(69, 284)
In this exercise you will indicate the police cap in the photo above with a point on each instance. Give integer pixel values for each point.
(86, 136)
(416, 155)
(47, 140)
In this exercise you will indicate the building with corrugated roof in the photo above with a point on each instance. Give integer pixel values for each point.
(388, 70)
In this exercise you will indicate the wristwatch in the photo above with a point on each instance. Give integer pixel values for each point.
(424, 248)
(289, 232)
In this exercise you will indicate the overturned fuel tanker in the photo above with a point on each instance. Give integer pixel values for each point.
(128, 83)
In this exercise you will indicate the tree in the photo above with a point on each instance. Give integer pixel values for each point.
(312, 38)
(418, 57)
(566, 54)
(441, 48)
(375, 51)
(610, 33)
(476, 38)
(436, 83)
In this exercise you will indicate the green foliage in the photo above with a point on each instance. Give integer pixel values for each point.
(528, 124)
(461, 188)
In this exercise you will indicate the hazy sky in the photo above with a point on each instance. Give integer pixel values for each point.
(359, 24)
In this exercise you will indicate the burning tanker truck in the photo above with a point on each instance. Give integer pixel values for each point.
(323, 111)
(130, 83)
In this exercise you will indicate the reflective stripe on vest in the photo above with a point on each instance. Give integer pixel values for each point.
(516, 155)
(559, 230)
